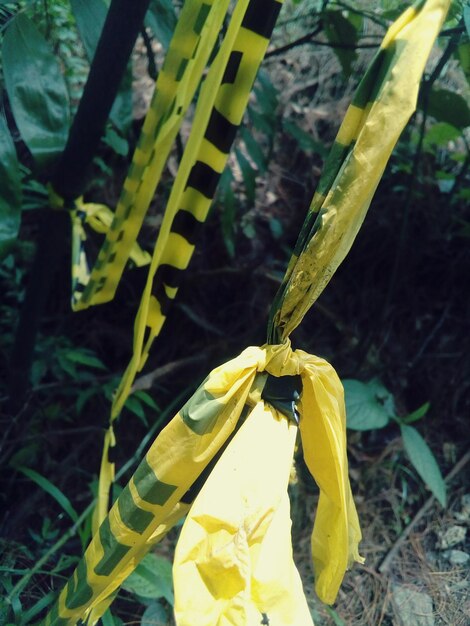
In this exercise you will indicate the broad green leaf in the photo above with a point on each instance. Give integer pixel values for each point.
(10, 189)
(416, 415)
(90, 17)
(368, 405)
(154, 615)
(152, 579)
(448, 106)
(424, 461)
(340, 30)
(51, 489)
(440, 134)
(36, 90)
(161, 19)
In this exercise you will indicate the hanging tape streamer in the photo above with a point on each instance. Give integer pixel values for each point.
(220, 108)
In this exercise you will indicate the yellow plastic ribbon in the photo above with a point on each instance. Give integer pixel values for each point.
(234, 555)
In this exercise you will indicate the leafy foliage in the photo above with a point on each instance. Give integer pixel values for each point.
(370, 406)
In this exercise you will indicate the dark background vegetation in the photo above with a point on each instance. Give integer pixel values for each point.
(397, 310)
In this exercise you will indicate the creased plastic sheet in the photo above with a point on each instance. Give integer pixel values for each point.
(233, 563)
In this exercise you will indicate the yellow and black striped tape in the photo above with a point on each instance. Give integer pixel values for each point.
(219, 111)
(221, 105)
(381, 107)
(191, 45)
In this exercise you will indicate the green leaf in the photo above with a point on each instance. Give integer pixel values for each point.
(368, 405)
(304, 140)
(152, 579)
(339, 30)
(248, 174)
(78, 356)
(108, 619)
(90, 18)
(161, 19)
(146, 399)
(424, 461)
(134, 406)
(154, 615)
(10, 190)
(416, 415)
(266, 95)
(254, 150)
(36, 90)
(276, 228)
(41, 604)
(440, 134)
(51, 489)
(335, 617)
(466, 18)
(116, 142)
(448, 106)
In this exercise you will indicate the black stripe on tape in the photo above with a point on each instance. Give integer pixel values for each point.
(220, 131)
(261, 16)
(204, 179)
(231, 70)
(169, 275)
(186, 225)
(201, 18)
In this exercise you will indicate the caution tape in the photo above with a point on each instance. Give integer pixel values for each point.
(219, 111)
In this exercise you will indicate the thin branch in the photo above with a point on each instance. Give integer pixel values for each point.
(307, 39)
(146, 381)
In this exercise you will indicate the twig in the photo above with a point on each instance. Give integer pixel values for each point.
(391, 554)
(146, 381)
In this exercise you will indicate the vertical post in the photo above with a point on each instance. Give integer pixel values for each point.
(123, 22)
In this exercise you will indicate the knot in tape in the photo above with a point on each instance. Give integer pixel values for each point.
(281, 360)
